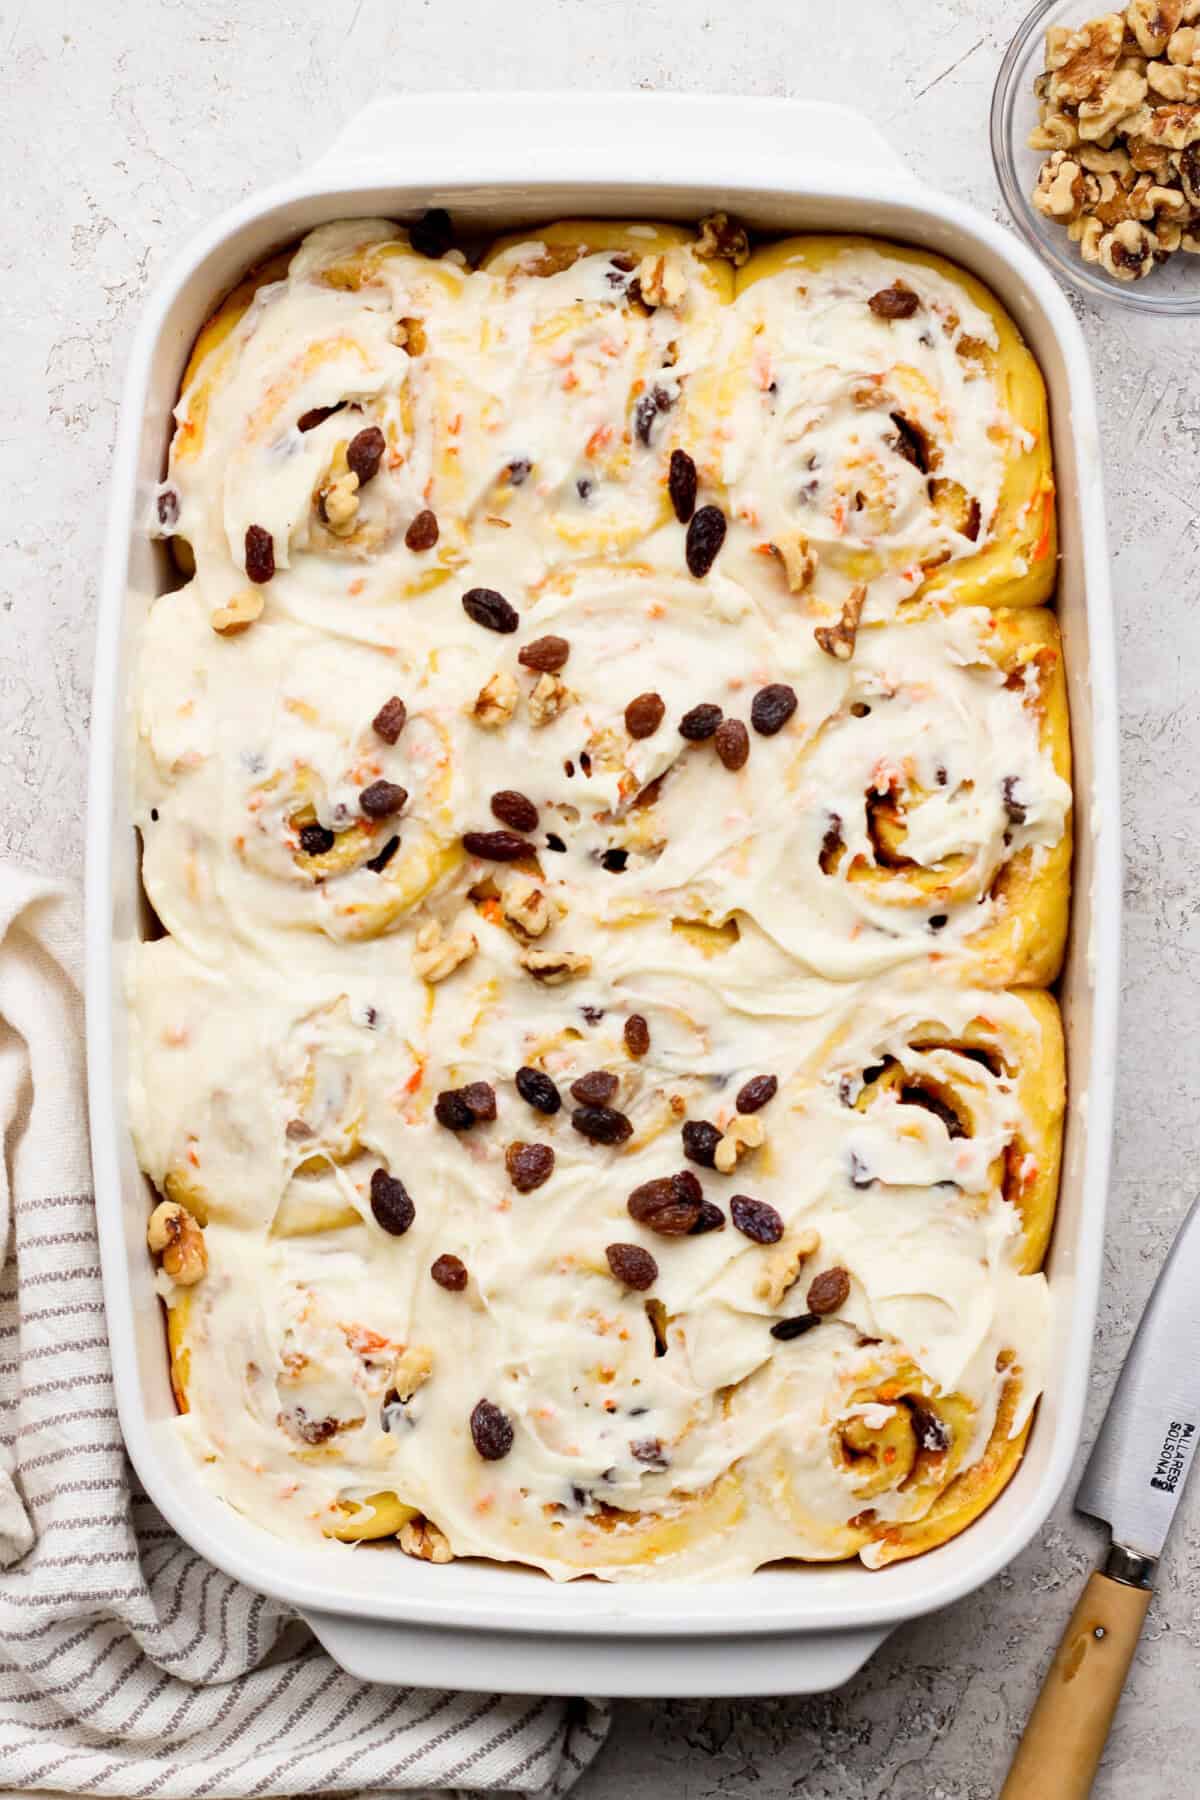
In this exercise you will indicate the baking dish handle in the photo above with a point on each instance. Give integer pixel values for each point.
(724, 140)
(685, 1667)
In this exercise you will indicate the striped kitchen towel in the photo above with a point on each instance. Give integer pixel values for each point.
(128, 1666)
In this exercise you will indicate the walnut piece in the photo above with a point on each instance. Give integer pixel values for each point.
(661, 281)
(553, 967)
(1061, 187)
(745, 1132)
(525, 907)
(839, 640)
(239, 613)
(1118, 100)
(1153, 22)
(421, 1538)
(549, 697)
(798, 557)
(411, 1370)
(782, 1266)
(1128, 251)
(178, 1241)
(1081, 63)
(435, 955)
(722, 238)
(496, 701)
(337, 496)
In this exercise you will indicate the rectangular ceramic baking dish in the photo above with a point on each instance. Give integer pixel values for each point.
(500, 161)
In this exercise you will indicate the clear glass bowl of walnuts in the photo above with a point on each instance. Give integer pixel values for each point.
(1108, 191)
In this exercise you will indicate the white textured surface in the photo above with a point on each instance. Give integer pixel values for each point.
(126, 127)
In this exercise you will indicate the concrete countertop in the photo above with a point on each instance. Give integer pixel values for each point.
(128, 126)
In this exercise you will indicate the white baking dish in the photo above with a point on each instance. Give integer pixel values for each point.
(498, 161)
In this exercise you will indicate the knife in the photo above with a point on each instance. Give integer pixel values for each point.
(1134, 1481)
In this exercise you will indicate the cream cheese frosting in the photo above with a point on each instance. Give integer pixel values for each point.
(774, 918)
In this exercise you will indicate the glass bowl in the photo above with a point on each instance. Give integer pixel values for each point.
(1173, 289)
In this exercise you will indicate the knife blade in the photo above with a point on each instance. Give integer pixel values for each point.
(1139, 1464)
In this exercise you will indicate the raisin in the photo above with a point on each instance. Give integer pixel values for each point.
(700, 1140)
(313, 1431)
(938, 921)
(632, 1265)
(773, 706)
(315, 840)
(377, 864)
(732, 743)
(637, 1035)
(755, 1219)
(528, 1165)
(491, 1431)
(518, 471)
(515, 809)
(787, 1329)
(260, 554)
(364, 453)
(390, 720)
(650, 1451)
(458, 1109)
(496, 846)
(490, 609)
(647, 410)
(829, 1290)
(682, 483)
(546, 654)
(433, 233)
(602, 1124)
(644, 715)
(756, 1092)
(554, 842)
(317, 416)
(700, 722)
(538, 1091)
(667, 1205)
(383, 799)
(615, 861)
(929, 1431)
(423, 533)
(390, 1203)
(167, 508)
(450, 1272)
(912, 443)
(711, 1218)
(1015, 810)
(595, 1089)
(705, 535)
(895, 302)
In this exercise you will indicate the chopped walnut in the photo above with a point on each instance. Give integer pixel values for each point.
(1057, 131)
(411, 1370)
(745, 1132)
(337, 496)
(526, 908)
(178, 1241)
(798, 557)
(839, 640)
(1061, 187)
(419, 1537)
(1103, 162)
(496, 701)
(1128, 251)
(239, 613)
(1177, 126)
(549, 697)
(724, 239)
(553, 967)
(1153, 22)
(781, 1268)
(661, 281)
(409, 334)
(435, 955)
(1081, 63)
(1120, 98)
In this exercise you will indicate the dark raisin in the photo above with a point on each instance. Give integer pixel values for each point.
(705, 535)
(644, 715)
(390, 720)
(167, 507)
(895, 302)
(377, 864)
(602, 1124)
(458, 1109)
(595, 1089)
(390, 1203)
(755, 1093)
(666, 1206)
(615, 861)
(298, 1131)
(911, 443)
(827, 1291)
(1012, 806)
(313, 1431)
(317, 416)
(383, 799)
(592, 1014)
(650, 1451)
(710, 1218)
(656, 401)
(315, 840)
(682, 483)
(632, 1265)
(260, 554)
(528, 1165)
(554, 842)
(491, 1432)
(450, 1272)
(515, 809)
(938, 921)
(794, 1328)
(518, 470)
(637, 1035)
(423, 533)
(732, 743)
(480, 1096)
(546, 654)
(583, 487)
(755, 1219)
(364, 453)
(433, 233)
(496, 846)
(930, 1432)
(700, 1140)
(772, 707)
(490, 609)
(700, 722)
(538, 1091)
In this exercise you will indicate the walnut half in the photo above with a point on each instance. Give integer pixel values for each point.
(178, 1240)
(421, 1538)
(435, 955)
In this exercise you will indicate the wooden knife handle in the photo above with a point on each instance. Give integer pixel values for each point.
(1064, 1740)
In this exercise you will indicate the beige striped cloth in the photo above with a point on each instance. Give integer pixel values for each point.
(129, 1666)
